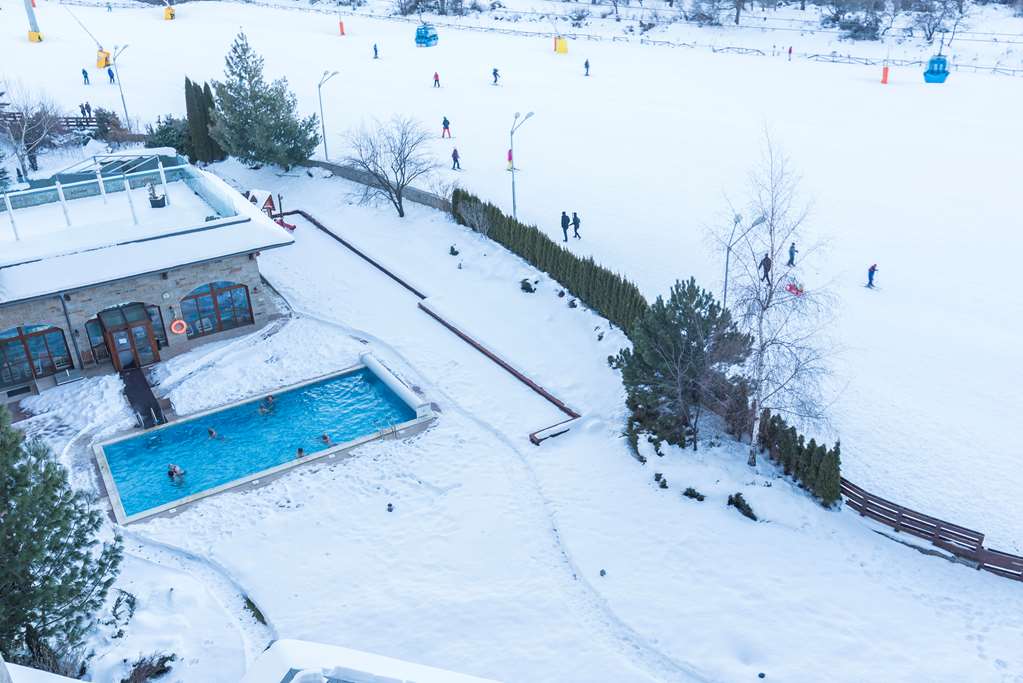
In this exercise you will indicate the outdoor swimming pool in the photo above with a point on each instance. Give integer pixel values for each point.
(248, 440)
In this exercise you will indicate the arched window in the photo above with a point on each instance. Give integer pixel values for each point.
(216, 307)
(32, 351)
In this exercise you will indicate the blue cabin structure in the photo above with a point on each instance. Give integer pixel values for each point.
(937, 69)
(426, 35)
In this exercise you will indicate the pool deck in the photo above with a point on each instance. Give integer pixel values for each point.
(424, 415)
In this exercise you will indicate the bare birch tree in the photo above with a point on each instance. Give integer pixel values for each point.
(785, 321)
(29, 124)
(393, 155)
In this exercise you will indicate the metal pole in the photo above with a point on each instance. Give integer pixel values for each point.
(63, 203)
(10, 215)
(99, 179)
(515, 213)
(117, 75)
(163, 179)
(131, 204)
(33, 25)
(327, 75)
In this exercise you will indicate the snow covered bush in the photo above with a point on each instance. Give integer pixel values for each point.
(813, 465)
(690, 492)
(149, 667)
(739, 503)
(170, 132)
(526, 286)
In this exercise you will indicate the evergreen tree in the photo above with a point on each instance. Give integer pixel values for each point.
(5, 176)
(216, 153)
(194, 128)
(829, 477)
(170, 132)
(255, 121)
(681, 350)
(54, 572)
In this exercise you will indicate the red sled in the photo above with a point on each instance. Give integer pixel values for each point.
(281, 222)
(794, 289)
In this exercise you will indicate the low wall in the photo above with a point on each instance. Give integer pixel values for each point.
(414, 195)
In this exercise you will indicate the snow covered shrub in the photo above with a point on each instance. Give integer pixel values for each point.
(526, 286)
(739, 503)
(706, 12)
(170, 132)
(578, 17)
(573, 303)
(664, 483)
(147, 668)
(690, 492)
(452, 251)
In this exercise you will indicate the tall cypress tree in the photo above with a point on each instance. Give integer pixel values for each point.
(194, 126)
(829, 477)
(209, 107)
(54, 571)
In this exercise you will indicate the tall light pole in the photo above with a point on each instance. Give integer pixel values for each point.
(516, 124)
(33, 25)
(728, 249)
(327, 75)
(117, 75)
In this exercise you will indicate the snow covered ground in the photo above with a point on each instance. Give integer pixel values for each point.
(490, 563)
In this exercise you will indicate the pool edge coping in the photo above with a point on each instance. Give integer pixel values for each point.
(423, 410)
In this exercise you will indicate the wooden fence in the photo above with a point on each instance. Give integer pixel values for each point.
(77, 122)
(960, 541)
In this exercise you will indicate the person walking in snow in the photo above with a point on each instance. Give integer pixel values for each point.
(790, 53)
(496, 75)
(765, 265)
(792, 255)
(110, 74)
(586, 66)
(85, 77)
(436, 79)
(564, 224)
(870, 275)
(445, 128)
(81, 108)
(376, 54)
(88, 109)
(575, 226)
(455, 166)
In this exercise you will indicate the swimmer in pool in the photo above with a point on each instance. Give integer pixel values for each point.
(267, 405)
(212, 433)
(174, 472)
(326, 440)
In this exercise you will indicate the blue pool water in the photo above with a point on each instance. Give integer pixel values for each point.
(345, 408)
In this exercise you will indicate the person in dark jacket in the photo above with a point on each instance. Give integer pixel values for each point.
(792, 255)
(575, 226)
(586, 65)
(81, 108)
(85, 77)
(376, 53)
(455, 166)
(496, 75)
(870, 275)
(110, 74)
(88, 109)
(765, 265)
(565, 222)
(445, 127)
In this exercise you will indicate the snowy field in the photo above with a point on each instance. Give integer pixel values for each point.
(916, 178)
(491, 562)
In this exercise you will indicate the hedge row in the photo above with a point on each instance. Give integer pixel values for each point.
(602, 290)
(816, 468)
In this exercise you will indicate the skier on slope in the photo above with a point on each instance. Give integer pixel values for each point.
(575, 226)
(792, 255)
(870, 275)
(586, 65)
(765, 265)
(110, 74)
(565, 222)
(376, 53)
(496, 75)
(455, 166)
(85, 77)
(445, 128)
(436, 79)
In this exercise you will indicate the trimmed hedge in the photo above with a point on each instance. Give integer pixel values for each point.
(816, 468)
(604, 291)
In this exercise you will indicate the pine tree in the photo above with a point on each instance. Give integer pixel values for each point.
(257, 122)
(216, 153)
(194, 129)
(54, 573)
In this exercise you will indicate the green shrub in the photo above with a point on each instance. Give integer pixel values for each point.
(812, 465)
(739, 503)
(690, 492)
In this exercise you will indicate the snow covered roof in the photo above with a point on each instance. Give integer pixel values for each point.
(24, 674)
(119, 235)
(299, 661)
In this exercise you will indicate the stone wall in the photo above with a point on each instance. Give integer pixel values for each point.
(163, 289)
(412, 194)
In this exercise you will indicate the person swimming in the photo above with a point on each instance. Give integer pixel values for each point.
(174, 472)
(326, 440)
(212, 433)
(267, 405)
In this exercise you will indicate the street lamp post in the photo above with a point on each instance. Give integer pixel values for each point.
(728, 250)
(516, 124)
(117, 75)
(327, 75)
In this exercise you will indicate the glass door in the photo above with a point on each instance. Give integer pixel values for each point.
(123, 352)
(145, 345)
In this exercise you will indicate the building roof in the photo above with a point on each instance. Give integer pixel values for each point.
(111, 238)
(295, 661)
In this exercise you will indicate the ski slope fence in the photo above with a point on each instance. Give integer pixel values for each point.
(963, 543)
(832, 57)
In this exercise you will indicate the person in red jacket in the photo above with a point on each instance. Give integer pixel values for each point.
(436, 79)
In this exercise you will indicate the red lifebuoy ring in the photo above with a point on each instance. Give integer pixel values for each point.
(179, 326)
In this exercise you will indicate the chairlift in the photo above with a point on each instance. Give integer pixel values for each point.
(937, 67)
(426, 35)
